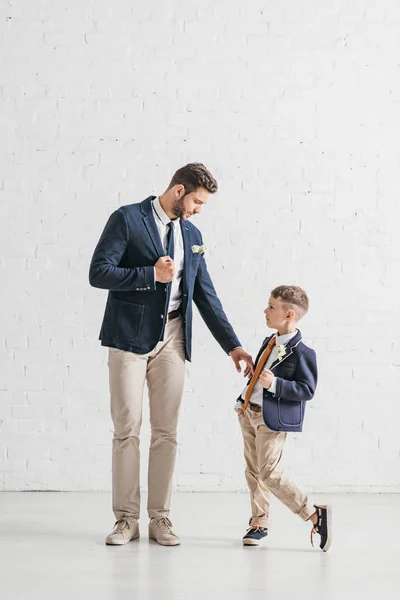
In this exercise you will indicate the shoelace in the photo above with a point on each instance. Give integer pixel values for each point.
(313, 531)
(122, 524)
(164, 524)
(256, 528)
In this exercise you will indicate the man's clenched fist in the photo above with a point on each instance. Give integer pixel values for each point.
(165, 269)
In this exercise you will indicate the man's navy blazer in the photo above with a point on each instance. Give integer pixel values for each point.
(296, 380)
(123, 263)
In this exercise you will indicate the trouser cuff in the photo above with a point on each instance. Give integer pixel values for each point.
(306, 511)
(262, 521)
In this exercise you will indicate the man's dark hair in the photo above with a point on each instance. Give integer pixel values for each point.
(193, 176)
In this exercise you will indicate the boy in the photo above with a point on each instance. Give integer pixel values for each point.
(272, 404)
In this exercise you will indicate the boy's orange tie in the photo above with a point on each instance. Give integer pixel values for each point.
(258, 369)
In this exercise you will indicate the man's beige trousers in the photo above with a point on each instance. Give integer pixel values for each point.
(263, 452)
(164, 370)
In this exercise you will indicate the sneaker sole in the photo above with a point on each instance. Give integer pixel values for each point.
(163, 543)
(251, 542)
(122, 542)
(329, 537)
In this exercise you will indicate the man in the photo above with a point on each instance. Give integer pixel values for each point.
(151, 259)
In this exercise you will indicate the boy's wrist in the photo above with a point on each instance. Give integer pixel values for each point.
(272, 387)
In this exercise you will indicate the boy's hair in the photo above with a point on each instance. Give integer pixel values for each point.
(193, 176)
(293, 297)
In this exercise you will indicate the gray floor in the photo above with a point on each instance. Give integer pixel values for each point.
(52, 546)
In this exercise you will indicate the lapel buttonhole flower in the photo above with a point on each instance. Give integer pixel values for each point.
(281, 352)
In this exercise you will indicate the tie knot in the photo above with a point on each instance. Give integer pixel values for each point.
(272, 341)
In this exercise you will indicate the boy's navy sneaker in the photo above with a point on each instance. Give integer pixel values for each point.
(323, 527)
(254, 536)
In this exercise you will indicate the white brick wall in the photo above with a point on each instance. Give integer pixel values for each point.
(294, 105)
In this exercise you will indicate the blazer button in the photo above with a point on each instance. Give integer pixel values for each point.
(161, 316)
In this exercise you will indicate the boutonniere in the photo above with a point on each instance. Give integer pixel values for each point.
(281, 352)
(198, 249)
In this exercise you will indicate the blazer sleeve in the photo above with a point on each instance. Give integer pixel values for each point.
(104, 271)
(305, 380)
(210, 308)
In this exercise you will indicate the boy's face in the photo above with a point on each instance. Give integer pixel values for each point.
(276, 315)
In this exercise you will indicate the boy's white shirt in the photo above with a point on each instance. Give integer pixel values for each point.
(257, 395)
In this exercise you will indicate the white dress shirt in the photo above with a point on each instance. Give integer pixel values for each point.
(162, 220)
(257, 394)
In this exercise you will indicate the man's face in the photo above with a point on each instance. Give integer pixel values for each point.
(185, 206)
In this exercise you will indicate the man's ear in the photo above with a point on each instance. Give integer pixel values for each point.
(179, 190)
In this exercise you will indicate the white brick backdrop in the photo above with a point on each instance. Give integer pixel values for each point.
(294, 106)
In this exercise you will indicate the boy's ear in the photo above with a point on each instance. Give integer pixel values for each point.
(291, 315)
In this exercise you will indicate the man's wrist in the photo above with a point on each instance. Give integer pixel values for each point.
(235, 348)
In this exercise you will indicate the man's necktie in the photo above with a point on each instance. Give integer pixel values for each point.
(260, 365)
(170, 253)
(170, 240)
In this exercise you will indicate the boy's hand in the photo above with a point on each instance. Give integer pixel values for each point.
(266, 378)
(240, 412)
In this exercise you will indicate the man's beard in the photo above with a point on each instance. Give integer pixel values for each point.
(178, 208)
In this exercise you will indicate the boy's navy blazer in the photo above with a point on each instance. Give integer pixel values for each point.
(296, 379)
(123, 263)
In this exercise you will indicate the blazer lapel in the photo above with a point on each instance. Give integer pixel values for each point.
(289, 350)
(277, 362)
(187, 254)
(151, 226)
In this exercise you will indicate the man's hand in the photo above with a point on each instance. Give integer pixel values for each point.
(266, 378)
(165, 269)
(239, 354)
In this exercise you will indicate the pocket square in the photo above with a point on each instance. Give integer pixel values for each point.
(198, 249)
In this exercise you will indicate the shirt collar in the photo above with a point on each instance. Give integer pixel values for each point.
(161, 215)
(281, 340)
